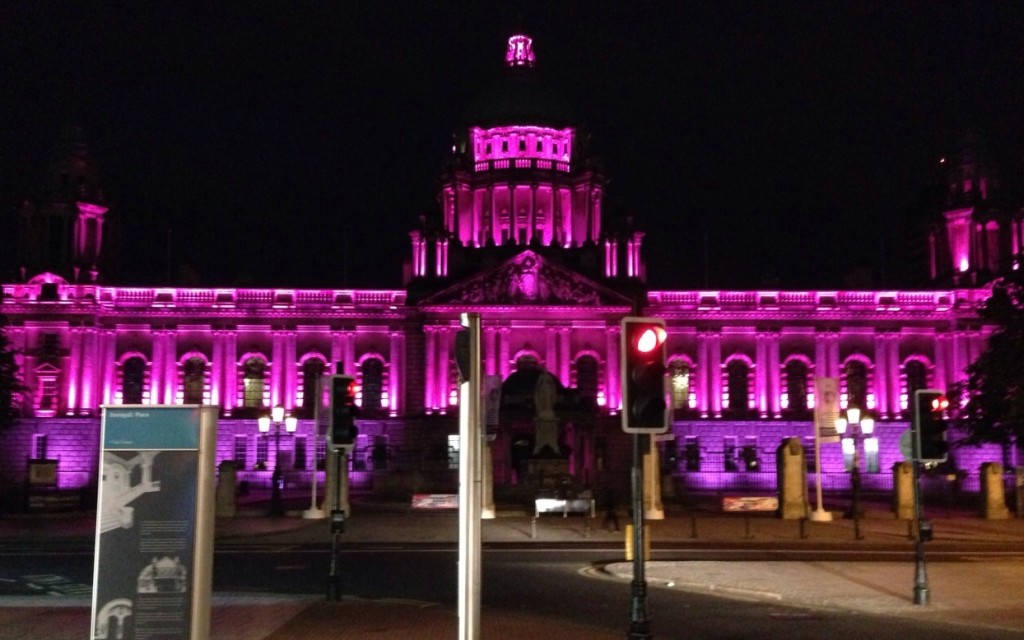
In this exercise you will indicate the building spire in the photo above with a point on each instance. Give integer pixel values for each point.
(520, 51)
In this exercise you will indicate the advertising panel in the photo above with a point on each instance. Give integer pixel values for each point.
(154, 523)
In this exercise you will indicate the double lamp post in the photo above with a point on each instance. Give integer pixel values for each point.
(277, 419)
(854, 428)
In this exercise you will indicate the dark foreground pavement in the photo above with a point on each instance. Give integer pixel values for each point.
(985, 592)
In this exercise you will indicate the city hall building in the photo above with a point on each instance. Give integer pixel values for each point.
(521, 237)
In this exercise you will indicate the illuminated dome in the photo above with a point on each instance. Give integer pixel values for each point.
(520, 96)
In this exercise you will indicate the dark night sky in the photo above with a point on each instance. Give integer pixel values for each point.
(796, 142)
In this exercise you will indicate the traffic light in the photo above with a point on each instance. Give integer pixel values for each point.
(342, 431)
(644, 396)
(930, 426)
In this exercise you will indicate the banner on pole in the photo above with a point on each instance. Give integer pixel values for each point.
(826, 409)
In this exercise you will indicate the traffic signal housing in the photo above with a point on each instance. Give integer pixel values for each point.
(930, 425)
(342, 431)
(644, 394)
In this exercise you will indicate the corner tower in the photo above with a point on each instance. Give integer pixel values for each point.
(63, 231)
(520, 176)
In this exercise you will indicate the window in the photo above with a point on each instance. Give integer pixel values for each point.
(738, 387)
(453, 451)
(917, 377)
(586, 378)
(194, 381)
(380, 453)
(856, 384)
(796, 386)
(253, 372)
(46, 404)
(39, 446)
(729, 454)
(372, 383)
(691, 453)
(679, 378)
(321, 452)
(261, 452)
(241, 450)
(312, 372)
(300, 452)
(133, 381)
(51, 341)
(751, 456)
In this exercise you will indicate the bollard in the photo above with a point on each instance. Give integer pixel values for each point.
(993, 492)
(629, 543)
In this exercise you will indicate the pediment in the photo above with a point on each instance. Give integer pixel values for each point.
(529, 279)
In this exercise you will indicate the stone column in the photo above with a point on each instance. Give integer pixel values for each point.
(551, 352)
(774, 376)
(156, 364)
(430, 356)
(230, 354)
(110, 364)
(941, 374)
(396, 383)
(74, 371)
(444, 367)
(91, 365)
(881, 374)
(503, 363)
(564, 355)
(613, 368)
(290, 369)
(703, 374)
(715, 374)
(277, 368)
(760, 368)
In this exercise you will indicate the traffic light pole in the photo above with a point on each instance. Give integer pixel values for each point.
(340, 461)
(639, 623)
(470, 483)
(920, 566)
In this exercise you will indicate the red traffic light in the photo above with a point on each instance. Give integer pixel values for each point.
(940, 404)
(644, 397)
(648, 338)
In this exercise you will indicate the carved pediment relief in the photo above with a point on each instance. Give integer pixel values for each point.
(529, 279)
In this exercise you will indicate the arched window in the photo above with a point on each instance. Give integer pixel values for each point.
(856, 384)
(917, 378)
(373, 383)
(738, 386)
(679, 379)
(796, 386)
(133, 382)
(312, 372)
(194, 382)
(253, 373)
(586, 378)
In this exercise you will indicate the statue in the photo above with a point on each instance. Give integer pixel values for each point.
(545, 394)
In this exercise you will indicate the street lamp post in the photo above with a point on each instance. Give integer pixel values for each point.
(861, 428)
(277, 418)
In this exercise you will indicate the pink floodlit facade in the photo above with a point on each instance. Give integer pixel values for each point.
(520, 238)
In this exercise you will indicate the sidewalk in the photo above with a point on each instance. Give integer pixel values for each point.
(984, 592)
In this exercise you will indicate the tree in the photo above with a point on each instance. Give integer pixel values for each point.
(994, 411)
(10, 382)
